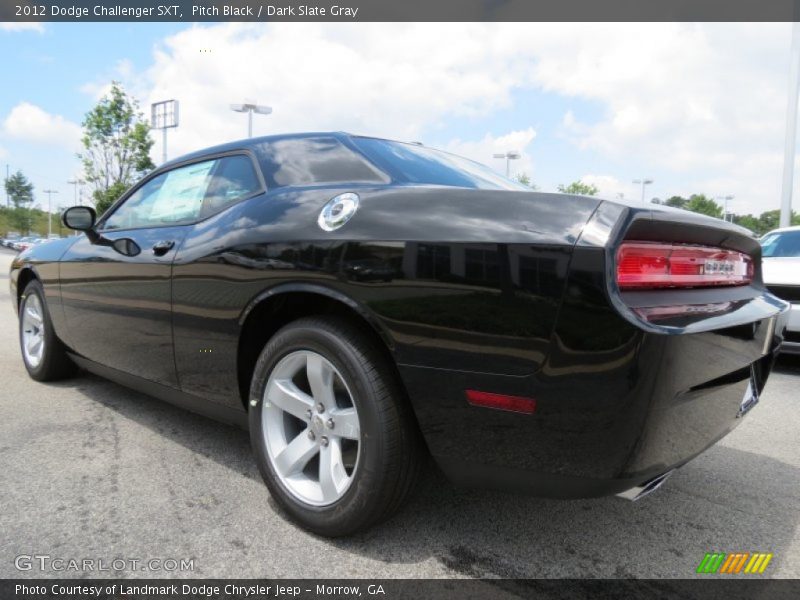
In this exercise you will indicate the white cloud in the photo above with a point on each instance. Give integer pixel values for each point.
(701, 105)
(28, 122)
(482, 150)
(395, 80)
(16, 26)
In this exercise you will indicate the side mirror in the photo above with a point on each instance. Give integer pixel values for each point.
(79, 218)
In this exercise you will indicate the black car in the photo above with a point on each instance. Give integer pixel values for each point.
(358, 303)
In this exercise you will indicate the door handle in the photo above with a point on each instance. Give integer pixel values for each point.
(162, 247)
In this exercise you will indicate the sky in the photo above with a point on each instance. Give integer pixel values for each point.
(697, 108)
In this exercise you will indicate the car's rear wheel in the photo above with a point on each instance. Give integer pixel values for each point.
(331, 430)
(43, 353)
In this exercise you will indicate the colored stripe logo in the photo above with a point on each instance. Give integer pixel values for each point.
(734, 563)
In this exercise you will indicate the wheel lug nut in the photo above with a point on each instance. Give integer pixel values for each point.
(324, 440)
(320, 407)
(329, 423)
(309, 413)
(311, 435)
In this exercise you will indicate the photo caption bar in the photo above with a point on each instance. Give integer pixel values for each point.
(410, 11)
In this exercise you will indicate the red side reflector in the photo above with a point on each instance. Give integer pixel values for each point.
(518, 404)
(649, 265)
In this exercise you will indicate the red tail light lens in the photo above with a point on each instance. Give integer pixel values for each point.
(652, 265)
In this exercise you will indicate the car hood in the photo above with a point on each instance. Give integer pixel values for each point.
(780, 270)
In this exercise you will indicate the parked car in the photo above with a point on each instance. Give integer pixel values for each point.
(26, 242)
(560, 345)
(11, 237)
(781, 251)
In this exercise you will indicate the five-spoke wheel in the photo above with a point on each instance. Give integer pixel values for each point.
(311, 427)
(331, 430)
(44, 355)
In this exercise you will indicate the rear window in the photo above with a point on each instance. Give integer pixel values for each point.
(411, 163)
(313, 161)
(781, 244)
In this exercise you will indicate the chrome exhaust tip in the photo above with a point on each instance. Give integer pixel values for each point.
(640, 491)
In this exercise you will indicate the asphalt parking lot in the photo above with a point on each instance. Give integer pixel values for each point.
(93, 470)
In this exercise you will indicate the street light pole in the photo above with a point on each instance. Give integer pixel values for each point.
(250, 108)
(791, 128)
(509, 156)
(725, 200)
(50, 210)
(644, 182)
(75, 183)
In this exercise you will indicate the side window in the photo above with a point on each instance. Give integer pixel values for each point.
(233, 179)
(187, 193)
(310, 161)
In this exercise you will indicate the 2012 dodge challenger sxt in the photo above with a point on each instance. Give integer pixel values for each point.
(359, 302)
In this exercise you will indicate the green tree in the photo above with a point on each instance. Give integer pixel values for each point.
(676, 202)
(20, 192)
(116, 146)
(702, 204)
(579, 188)
(525, 179)
(752, 223)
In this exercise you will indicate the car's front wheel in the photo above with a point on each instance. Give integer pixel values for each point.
(43, 353)
(332, 433)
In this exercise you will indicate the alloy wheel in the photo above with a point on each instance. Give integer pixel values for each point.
(311, 428)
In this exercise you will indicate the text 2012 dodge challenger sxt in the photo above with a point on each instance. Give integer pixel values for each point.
(357, 302)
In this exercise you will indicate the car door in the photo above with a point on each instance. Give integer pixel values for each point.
(118, 306)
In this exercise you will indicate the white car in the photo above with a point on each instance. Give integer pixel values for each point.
(781, 270)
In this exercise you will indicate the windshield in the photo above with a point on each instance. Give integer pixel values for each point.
(784, 244)
(411, 163)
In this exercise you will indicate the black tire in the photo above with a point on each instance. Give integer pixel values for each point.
(390, 449)
(54, 363)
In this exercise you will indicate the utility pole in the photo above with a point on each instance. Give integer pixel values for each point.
(8, 200)
(791, 128)
(50, 210)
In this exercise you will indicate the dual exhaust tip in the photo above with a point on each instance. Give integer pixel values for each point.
(648, 487)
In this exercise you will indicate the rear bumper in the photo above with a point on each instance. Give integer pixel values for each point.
(607, 420)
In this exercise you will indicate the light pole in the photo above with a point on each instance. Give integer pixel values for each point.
(644, 182)
(76, 182)
(250, 108)
(725, 200)
(791, 128)
(164, 115)
(50, 210)
(509, 156)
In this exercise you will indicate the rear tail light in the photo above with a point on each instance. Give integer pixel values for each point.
(653, 265)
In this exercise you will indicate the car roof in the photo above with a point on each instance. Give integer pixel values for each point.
(784, 229)
(251, 143)
(254, 143)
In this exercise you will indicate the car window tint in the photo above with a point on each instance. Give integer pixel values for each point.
(311, 161)
(784, 244)
(234, 178)
(187, 193)
(411, 163)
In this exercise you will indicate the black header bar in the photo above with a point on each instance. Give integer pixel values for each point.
(399, 10)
